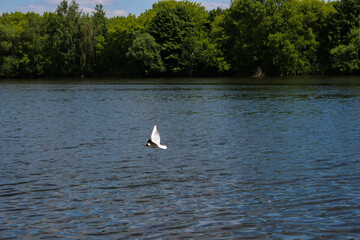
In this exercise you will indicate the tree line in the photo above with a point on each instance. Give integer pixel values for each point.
(182, 38)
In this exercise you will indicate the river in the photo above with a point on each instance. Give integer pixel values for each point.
(246, 159)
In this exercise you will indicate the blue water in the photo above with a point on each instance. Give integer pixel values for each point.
(244, 161)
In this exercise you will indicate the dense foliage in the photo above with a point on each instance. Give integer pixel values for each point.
(181, 38)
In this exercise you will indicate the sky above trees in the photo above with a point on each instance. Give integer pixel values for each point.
(112, 7)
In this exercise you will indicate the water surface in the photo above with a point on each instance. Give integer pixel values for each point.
(277, 159)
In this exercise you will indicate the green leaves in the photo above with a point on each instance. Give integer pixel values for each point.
(292, 56)
(181, 38)
(282, 37)
(172, 28)
(145, 53)
(68, 35)
(345, 58)
(21, 45)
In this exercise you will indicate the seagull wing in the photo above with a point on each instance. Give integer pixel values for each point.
(155, 136)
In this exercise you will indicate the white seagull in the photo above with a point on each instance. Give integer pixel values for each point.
(155, 140)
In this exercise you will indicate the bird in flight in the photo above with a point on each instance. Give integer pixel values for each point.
(154, 142)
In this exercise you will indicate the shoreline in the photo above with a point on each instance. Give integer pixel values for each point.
(353, 80)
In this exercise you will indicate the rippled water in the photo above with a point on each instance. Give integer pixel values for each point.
(243, 161)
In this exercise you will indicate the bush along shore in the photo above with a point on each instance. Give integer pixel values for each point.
(182, 38)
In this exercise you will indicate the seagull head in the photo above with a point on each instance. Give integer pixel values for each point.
(148, 143)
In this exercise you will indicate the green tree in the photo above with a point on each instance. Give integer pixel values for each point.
(100, 28)
(185, 34)
(92, 42)
(33, 46)
(118, 39)
(293, 44)
(9, 47)
(13, 45)
(196, 12)
(247, 35)
(173, 29)
(346, 58)
(100, 20)
(282, 36)
(87, 45)
(345, 18)
(51, 47)
(64, 29)
(213, 51)
(145, 55)
(292, 55)
(343, 23)
(317, 15)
